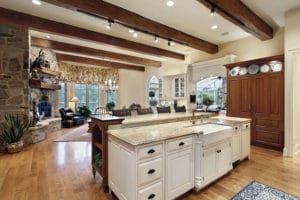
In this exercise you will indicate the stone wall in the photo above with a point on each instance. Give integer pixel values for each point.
(14, 70)
(53, 95)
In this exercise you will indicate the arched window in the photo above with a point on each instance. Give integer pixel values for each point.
(153, 90)
(212, 90)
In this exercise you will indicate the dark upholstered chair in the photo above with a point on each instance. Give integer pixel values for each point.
(180, 109)
(121, 112)
(69, 118)
(163, 109)
(143, 111)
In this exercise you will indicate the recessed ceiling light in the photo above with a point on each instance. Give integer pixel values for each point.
(170, 3)
(135, 34)
(48, 36)
(36, 2)
(131, 31)
(214, 27)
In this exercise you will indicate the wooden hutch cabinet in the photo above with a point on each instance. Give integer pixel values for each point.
(257, 92)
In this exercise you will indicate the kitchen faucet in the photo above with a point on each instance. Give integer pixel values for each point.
(194, 117)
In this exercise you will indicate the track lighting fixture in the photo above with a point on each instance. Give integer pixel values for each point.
(156, 39)
(212, 11)
(135, 34)
(108, 26)
(170, 42)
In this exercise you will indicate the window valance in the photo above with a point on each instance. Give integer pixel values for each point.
(83, 74)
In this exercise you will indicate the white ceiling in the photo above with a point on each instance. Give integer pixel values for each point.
(188, 16)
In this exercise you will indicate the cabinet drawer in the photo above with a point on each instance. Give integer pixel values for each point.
(153, 192)
(149, 151)
(246, 126)
(268, 124)
(235, 130)
(150, 171)
(266, 137)
(179, 143)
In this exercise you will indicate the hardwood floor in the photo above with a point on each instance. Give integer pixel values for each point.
(62, 170)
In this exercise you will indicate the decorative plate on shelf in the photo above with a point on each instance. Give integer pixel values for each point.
(264, 68)
(243, 71)
(276, 66)
(234, 71)
(253, 69)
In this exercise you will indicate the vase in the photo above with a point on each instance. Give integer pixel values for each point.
(15, 147)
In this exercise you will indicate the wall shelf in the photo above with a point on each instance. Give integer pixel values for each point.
(39, 84)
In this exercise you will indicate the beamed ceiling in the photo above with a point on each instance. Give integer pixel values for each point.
(79, 27)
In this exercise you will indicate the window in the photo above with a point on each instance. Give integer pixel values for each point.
(213, 88)
(111, 96)
(88, 94)
(63, 95)
(153, 91)
(179, 87)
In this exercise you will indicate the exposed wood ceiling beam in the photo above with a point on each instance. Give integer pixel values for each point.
(102, 63)
(239, 14)
(38, 42)
(131, 19)
(36, 23)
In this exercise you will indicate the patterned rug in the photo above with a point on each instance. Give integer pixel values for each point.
(259, 191)
(78, 134)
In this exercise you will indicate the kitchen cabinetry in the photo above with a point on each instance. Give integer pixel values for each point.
(179, 86)
(216, 161)
(151, 168)
(259, 96)
(99, 126)
(179, 167)
(241, 142)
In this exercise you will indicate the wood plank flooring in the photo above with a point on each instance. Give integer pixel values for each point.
(61, 170)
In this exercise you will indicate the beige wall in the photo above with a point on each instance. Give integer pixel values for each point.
(131, 88)
(246, 48)
(292, 76)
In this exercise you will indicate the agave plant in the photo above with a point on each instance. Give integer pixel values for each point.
(14, 129)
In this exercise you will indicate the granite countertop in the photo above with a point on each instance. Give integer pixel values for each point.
(151, 133)
(148, 133)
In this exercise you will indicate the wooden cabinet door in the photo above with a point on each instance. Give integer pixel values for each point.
(239, 97)
(245, 98)
(233, 97)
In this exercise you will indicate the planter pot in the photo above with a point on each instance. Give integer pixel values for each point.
(15, 147)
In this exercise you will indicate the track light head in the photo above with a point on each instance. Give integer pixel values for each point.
(108, 26)
(212, 11)
(156, 39)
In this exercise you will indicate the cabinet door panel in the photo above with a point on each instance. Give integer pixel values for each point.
(276, 96)
(236, 147)
(245, 96)
(234, 95)
(208, 165)
(180, 173)
(245, 141)
(261, 96)
(224, 157)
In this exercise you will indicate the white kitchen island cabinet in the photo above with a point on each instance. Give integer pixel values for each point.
(139, 173)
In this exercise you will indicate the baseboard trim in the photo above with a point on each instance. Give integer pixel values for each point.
(297, 149)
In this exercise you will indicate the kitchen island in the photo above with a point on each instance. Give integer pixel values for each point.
(163, 161)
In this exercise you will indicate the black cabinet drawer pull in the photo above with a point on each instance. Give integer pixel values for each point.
(181, 143)
(236, 128)
(246, 126)
(219, 151)
(151, 171)
(151, 151)
(151, 196)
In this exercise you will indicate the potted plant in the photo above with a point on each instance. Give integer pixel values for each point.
(207, 101)
(84, 111)
(152, 101)
(110, 106)
(14, 130)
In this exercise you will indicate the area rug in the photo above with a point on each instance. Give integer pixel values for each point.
(260, 191)
(78, 134)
